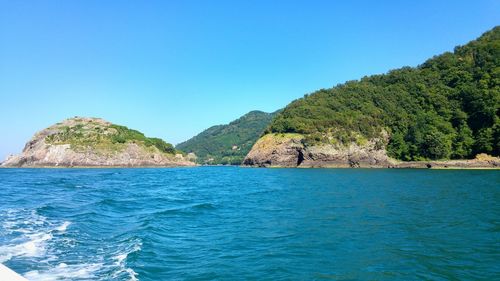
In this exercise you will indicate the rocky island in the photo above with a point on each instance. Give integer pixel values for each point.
(94, 142)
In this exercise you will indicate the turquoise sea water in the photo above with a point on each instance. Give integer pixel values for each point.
(230, 223)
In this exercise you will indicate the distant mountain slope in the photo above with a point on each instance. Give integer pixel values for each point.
(94, 142)
(228, 144)
(446, 108)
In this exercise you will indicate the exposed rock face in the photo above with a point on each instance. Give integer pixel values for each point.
(88, 142)
(481, 161)
(276, 150)
(289, 150)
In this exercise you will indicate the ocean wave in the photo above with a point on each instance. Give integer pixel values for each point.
(63, 226)
(28, 234)
(120, 259)
(66, 272)
(187, 208)
(34, 247)
(115, 203)
(204, 206)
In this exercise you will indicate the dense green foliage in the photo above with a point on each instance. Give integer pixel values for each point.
(228, 144)
(448, 107)
(125, 134)
(104, 137)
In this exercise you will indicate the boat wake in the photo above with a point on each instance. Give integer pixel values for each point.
(27, 234)
(121, 262)
(49, 246)
(66, 272)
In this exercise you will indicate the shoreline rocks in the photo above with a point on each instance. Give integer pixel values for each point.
(289, 150)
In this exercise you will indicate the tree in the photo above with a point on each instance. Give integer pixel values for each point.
(484, 141)
(463, 142)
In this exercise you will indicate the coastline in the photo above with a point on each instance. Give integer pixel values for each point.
(434, 165)
(93, 167)
(376, 167)
(471, 164)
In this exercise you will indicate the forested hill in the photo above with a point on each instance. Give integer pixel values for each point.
(448, 107)
(228, 144)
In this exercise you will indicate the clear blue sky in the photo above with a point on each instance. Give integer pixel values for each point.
(174, 68)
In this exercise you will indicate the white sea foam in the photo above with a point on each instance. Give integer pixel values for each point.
(120, 262)
(30, 234)
(65, 272)
(21, 220)
(63, 227)
(29, 238)
(37, 238)
(34, 247)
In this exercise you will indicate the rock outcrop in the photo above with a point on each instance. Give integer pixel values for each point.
(282, 150)
(480, 162)
(93, 142)
(291, 150)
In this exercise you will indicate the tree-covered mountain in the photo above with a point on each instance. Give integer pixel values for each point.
(446, 108)
(228, 144)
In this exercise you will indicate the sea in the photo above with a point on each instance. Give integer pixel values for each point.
(233, 223)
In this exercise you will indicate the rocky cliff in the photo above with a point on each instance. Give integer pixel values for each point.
(292, 150)
(94, 142)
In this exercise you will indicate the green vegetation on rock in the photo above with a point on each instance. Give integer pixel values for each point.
(125, 134)
(446, 108)
(82, 133)
(228, 144)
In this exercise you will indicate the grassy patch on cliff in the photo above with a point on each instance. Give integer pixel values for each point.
(271, 140)
(82, 134)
